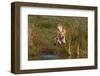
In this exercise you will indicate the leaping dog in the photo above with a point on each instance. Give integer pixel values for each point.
(60, 38)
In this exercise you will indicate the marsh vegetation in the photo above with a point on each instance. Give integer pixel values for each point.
(42, 31)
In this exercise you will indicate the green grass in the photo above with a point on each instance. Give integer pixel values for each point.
(44, 29)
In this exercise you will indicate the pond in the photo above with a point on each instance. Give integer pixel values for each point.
(46, 55)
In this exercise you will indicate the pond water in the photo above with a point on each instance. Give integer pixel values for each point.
(47, 57)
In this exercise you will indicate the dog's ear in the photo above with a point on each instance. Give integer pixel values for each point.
(60, 28)
(64, 30)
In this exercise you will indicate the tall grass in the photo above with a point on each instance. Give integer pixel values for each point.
(43, 29)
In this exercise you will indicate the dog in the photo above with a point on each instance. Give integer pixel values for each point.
(60, 38)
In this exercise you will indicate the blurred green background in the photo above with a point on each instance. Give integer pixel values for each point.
(43, 29)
